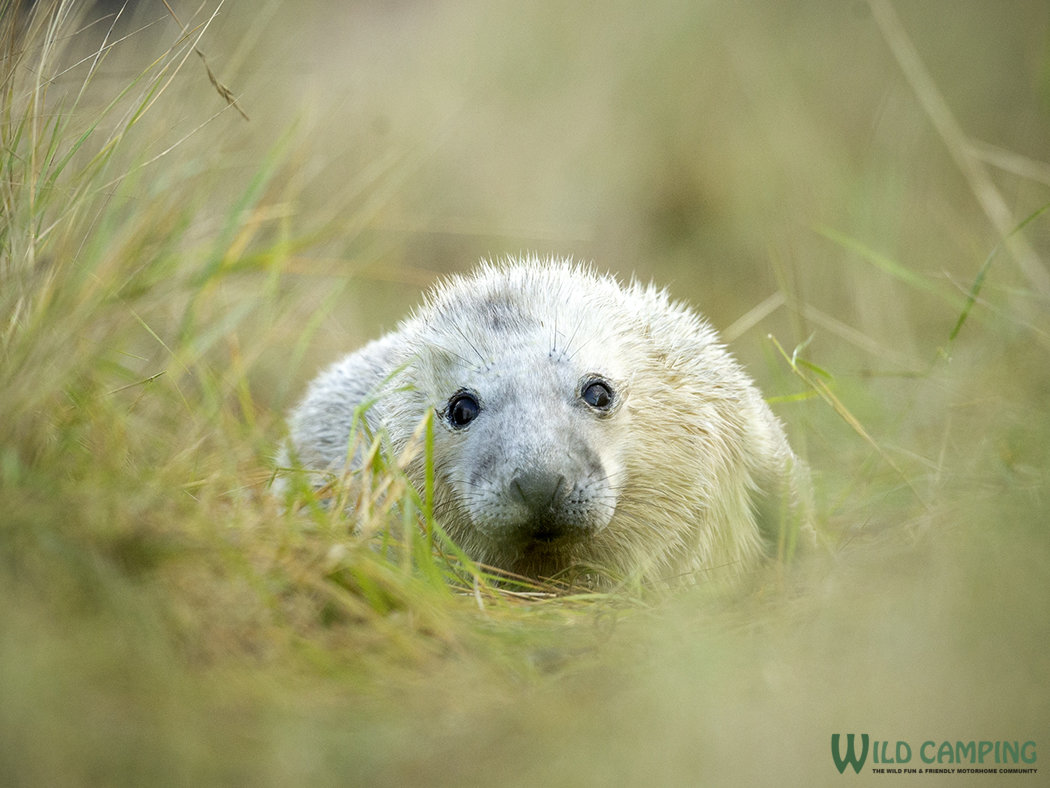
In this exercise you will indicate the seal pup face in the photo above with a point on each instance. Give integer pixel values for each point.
(525, 461)
(529, 403)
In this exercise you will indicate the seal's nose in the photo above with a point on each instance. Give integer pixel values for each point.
(539, 490)
(542, 495)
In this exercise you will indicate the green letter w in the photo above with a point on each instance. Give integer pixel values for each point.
(851, 757)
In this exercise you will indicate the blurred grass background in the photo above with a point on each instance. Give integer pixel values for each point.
(171, 276)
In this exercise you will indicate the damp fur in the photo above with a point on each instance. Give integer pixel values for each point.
(682, 472)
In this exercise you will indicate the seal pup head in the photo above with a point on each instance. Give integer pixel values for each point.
(582, 422)
(528, 392)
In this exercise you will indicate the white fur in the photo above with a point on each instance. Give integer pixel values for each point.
(667, 482)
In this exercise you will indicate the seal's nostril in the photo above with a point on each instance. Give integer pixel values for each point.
(538, 490)
(543, 495)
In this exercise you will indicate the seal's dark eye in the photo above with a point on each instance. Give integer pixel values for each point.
(462, 409)
(597, 394)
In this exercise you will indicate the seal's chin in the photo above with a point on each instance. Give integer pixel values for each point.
(539, 546)
(545, 560)
(545, 552)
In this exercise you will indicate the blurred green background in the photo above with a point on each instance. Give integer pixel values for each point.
(771, 163)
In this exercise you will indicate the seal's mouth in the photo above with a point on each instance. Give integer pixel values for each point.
(549, 548)
(546, 545)
(548, 533)
(549, 536)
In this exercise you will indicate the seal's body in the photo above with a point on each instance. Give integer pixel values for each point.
(579, 422)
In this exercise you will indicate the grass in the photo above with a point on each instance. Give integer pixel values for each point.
(172, 274)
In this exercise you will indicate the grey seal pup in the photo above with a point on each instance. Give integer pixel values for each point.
(581, 424)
